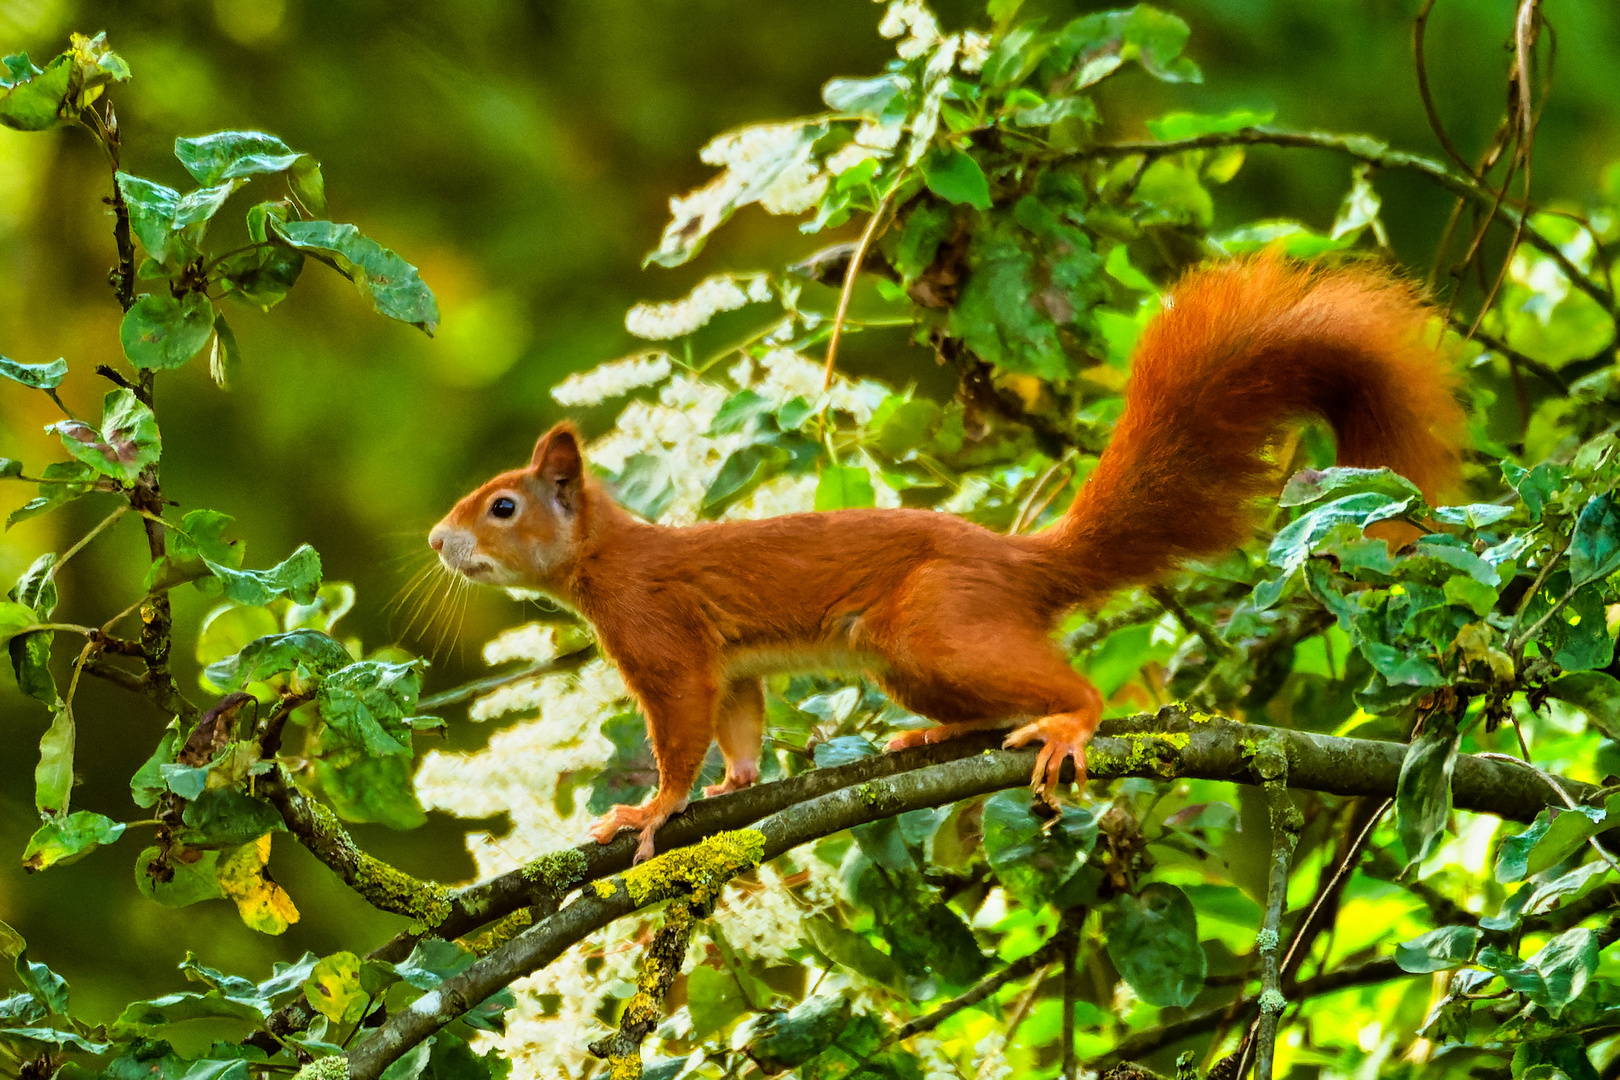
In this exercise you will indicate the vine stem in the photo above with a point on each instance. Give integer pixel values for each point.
(850, 273)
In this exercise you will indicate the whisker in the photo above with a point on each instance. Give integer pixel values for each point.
(406, 592)
(423, 602)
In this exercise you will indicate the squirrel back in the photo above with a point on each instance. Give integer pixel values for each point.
(1241, 348)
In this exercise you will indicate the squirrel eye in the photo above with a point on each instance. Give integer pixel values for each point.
(503, 507)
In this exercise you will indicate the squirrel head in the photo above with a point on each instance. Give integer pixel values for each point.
(524, 527)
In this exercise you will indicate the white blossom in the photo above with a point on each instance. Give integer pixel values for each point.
(913, 19)
(936, 80)
(714, 294)
(975, 51)
(613, 379)
(531, 641)
(770, 164)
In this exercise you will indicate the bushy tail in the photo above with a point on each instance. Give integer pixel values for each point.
(1241, 348)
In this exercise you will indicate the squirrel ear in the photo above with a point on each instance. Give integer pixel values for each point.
(557, 461)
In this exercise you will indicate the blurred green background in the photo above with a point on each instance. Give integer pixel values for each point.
(522, 154)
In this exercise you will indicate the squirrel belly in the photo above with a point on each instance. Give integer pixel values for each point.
(952, 620)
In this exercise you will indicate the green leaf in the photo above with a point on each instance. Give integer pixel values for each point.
(226, 817)
(369, 787)
(298, 576)
(127, 442)
(1594, 551)
(200, 537)
(956, 177)
(389, 283)
(432, 961)
(46, 986)
(151, 213)
(1550, 839)
(1312, 485)
(147, 785)
(1173, 127)
(1032, 861)
(162, 332)
(1567, 963)
(261, 276)
(1577, 635)
(308, 185)
(1423, 792)
(1467, 593)
(853, 951)
(307, 654)
(1595, 693)
(741, 473)
(36, 102)
(196, 207)
(226, 155)
(286, 978)
(69, 838)
(713, 1000)
(55, 1037)
(1439, 950)
(178, 883)
(1152, 940)
(1474, 515)
(142, 1017)
(67, 481)
(646, 485)
(365, 705)
(843, 487)
(788, 1040)
(53, 776)
(333, 988)
(39, 376)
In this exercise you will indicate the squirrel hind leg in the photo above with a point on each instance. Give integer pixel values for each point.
(993, 676)
(740, 730)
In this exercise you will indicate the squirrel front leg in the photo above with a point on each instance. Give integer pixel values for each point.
(680, 722)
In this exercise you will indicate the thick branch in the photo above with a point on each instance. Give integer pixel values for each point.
(1168, 745)
(381, 885)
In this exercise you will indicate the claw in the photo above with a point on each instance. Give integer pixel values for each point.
(1063, 736)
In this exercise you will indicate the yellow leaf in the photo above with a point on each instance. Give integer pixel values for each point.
(333, 988)
(263, 905)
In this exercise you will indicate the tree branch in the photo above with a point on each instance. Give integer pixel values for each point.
(1164, 746)
(1373, 152)
(1147, 1042)
(381, 885)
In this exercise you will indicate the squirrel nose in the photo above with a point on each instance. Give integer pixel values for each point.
(436, 543)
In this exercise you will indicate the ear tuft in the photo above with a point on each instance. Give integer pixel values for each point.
(557, 461)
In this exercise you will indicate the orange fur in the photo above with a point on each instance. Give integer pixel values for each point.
(952, 620)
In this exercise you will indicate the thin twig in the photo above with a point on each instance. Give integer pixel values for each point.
(478, 687)
(850, 274)
(86, 538)
(1419, 25)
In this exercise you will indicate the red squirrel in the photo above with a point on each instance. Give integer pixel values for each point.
(954, 621)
